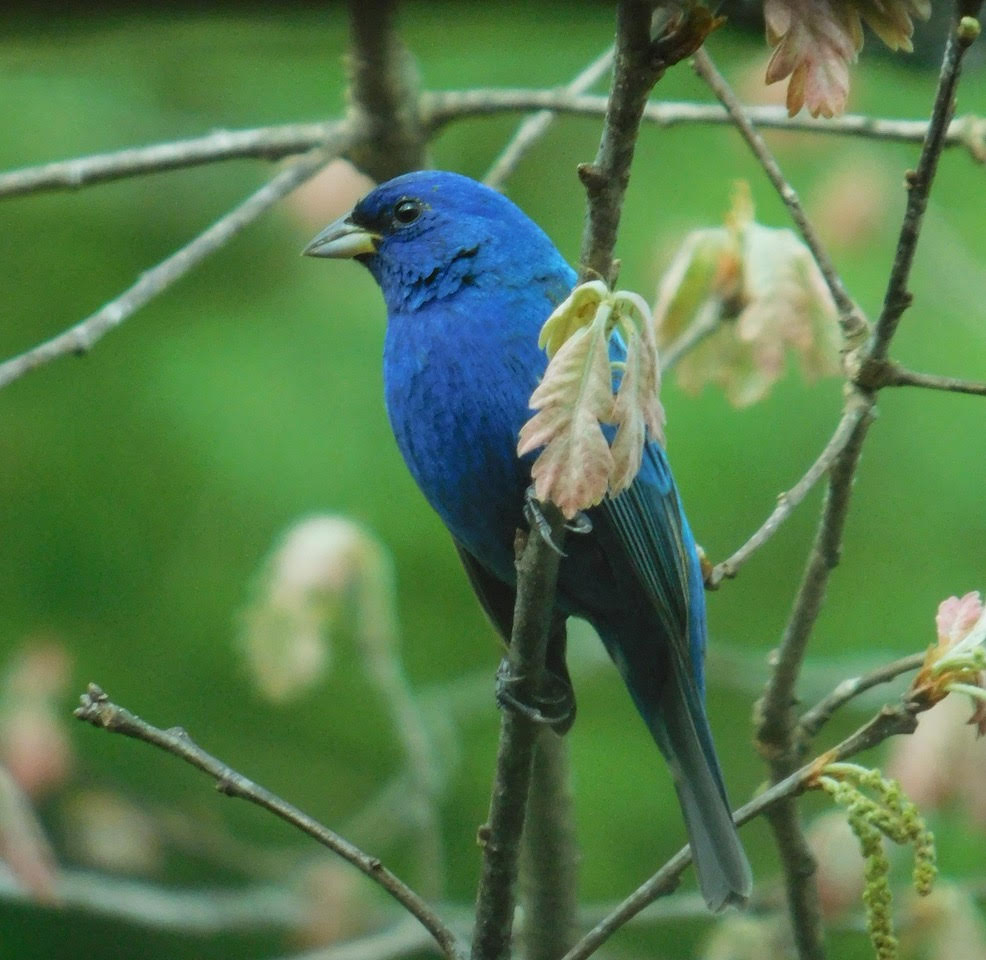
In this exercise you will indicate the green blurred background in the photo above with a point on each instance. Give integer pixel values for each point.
(140, 487)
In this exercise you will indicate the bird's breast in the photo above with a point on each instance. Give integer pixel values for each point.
(457, 391)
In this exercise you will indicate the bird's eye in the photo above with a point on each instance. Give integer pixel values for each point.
(407, 211)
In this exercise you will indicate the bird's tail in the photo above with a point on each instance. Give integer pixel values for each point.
(682, 733)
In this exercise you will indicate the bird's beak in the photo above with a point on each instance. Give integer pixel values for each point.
(342, 240)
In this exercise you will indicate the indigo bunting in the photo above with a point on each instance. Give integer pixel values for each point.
(468, 280)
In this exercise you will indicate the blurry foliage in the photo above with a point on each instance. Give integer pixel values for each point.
(140, 487)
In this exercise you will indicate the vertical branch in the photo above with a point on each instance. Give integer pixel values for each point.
(639, 62)
(537, 573)
(964, 31)
(635, 72)
(549, 877)
(383, 92)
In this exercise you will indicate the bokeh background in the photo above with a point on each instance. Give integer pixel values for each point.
(142, 486)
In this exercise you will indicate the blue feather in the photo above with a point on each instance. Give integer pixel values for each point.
(468, 280)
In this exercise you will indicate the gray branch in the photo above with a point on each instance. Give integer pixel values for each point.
(97, 709)
(81, 338)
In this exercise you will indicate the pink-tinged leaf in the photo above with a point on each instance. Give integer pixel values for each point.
(573, 469)
(637, 411)
(893, 20)
(816, 41)
(321, 565)
(956, 617)
(778, 303)
(23, 844)
(707, 264)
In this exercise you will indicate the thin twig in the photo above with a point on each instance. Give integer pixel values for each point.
(813, 720)
(200, 911)
(537, 573)
(897, 299)
(267, 143)
(890, 721)
(706, 322)
(534, 127)
(440, 108)
(854, 326)
(97, 709)
(790, 499)
(80, 338)
(900, 377)
(605, 180)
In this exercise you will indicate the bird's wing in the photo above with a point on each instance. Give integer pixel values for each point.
(647, 523)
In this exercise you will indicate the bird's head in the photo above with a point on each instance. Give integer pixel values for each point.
(425, 235)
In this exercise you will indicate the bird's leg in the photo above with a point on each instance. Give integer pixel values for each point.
(536, 519)
(553, 705)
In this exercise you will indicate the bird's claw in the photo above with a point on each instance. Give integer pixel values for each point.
(550, 709)
(580, 523)
(536, 519)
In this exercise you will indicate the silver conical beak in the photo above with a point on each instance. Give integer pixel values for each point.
(342, 240)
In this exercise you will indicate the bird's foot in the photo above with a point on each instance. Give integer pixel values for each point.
(553, 705)
(536, 519)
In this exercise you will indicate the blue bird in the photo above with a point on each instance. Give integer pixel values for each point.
(468, 280)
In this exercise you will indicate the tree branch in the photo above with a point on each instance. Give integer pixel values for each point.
(267, 143)
(897, 299)
(549, 875)
(383, 93)
(854, 411)
(442, 107)
(97, 709)
(898, 376)
(636, 70)
(852, 321)
(537, 573)
(80, 338)
(890, 721)
(814, 719)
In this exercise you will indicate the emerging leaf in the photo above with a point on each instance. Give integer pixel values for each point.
(577, 466)
(957, 663)
(575, 395)
(322, 567)
(815, 41)
(765, 285)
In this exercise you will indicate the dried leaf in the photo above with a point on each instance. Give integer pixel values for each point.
(577, 466)
(772, 299)
(815, 41)
(576, 393)
(303, 586)
(637, 412)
